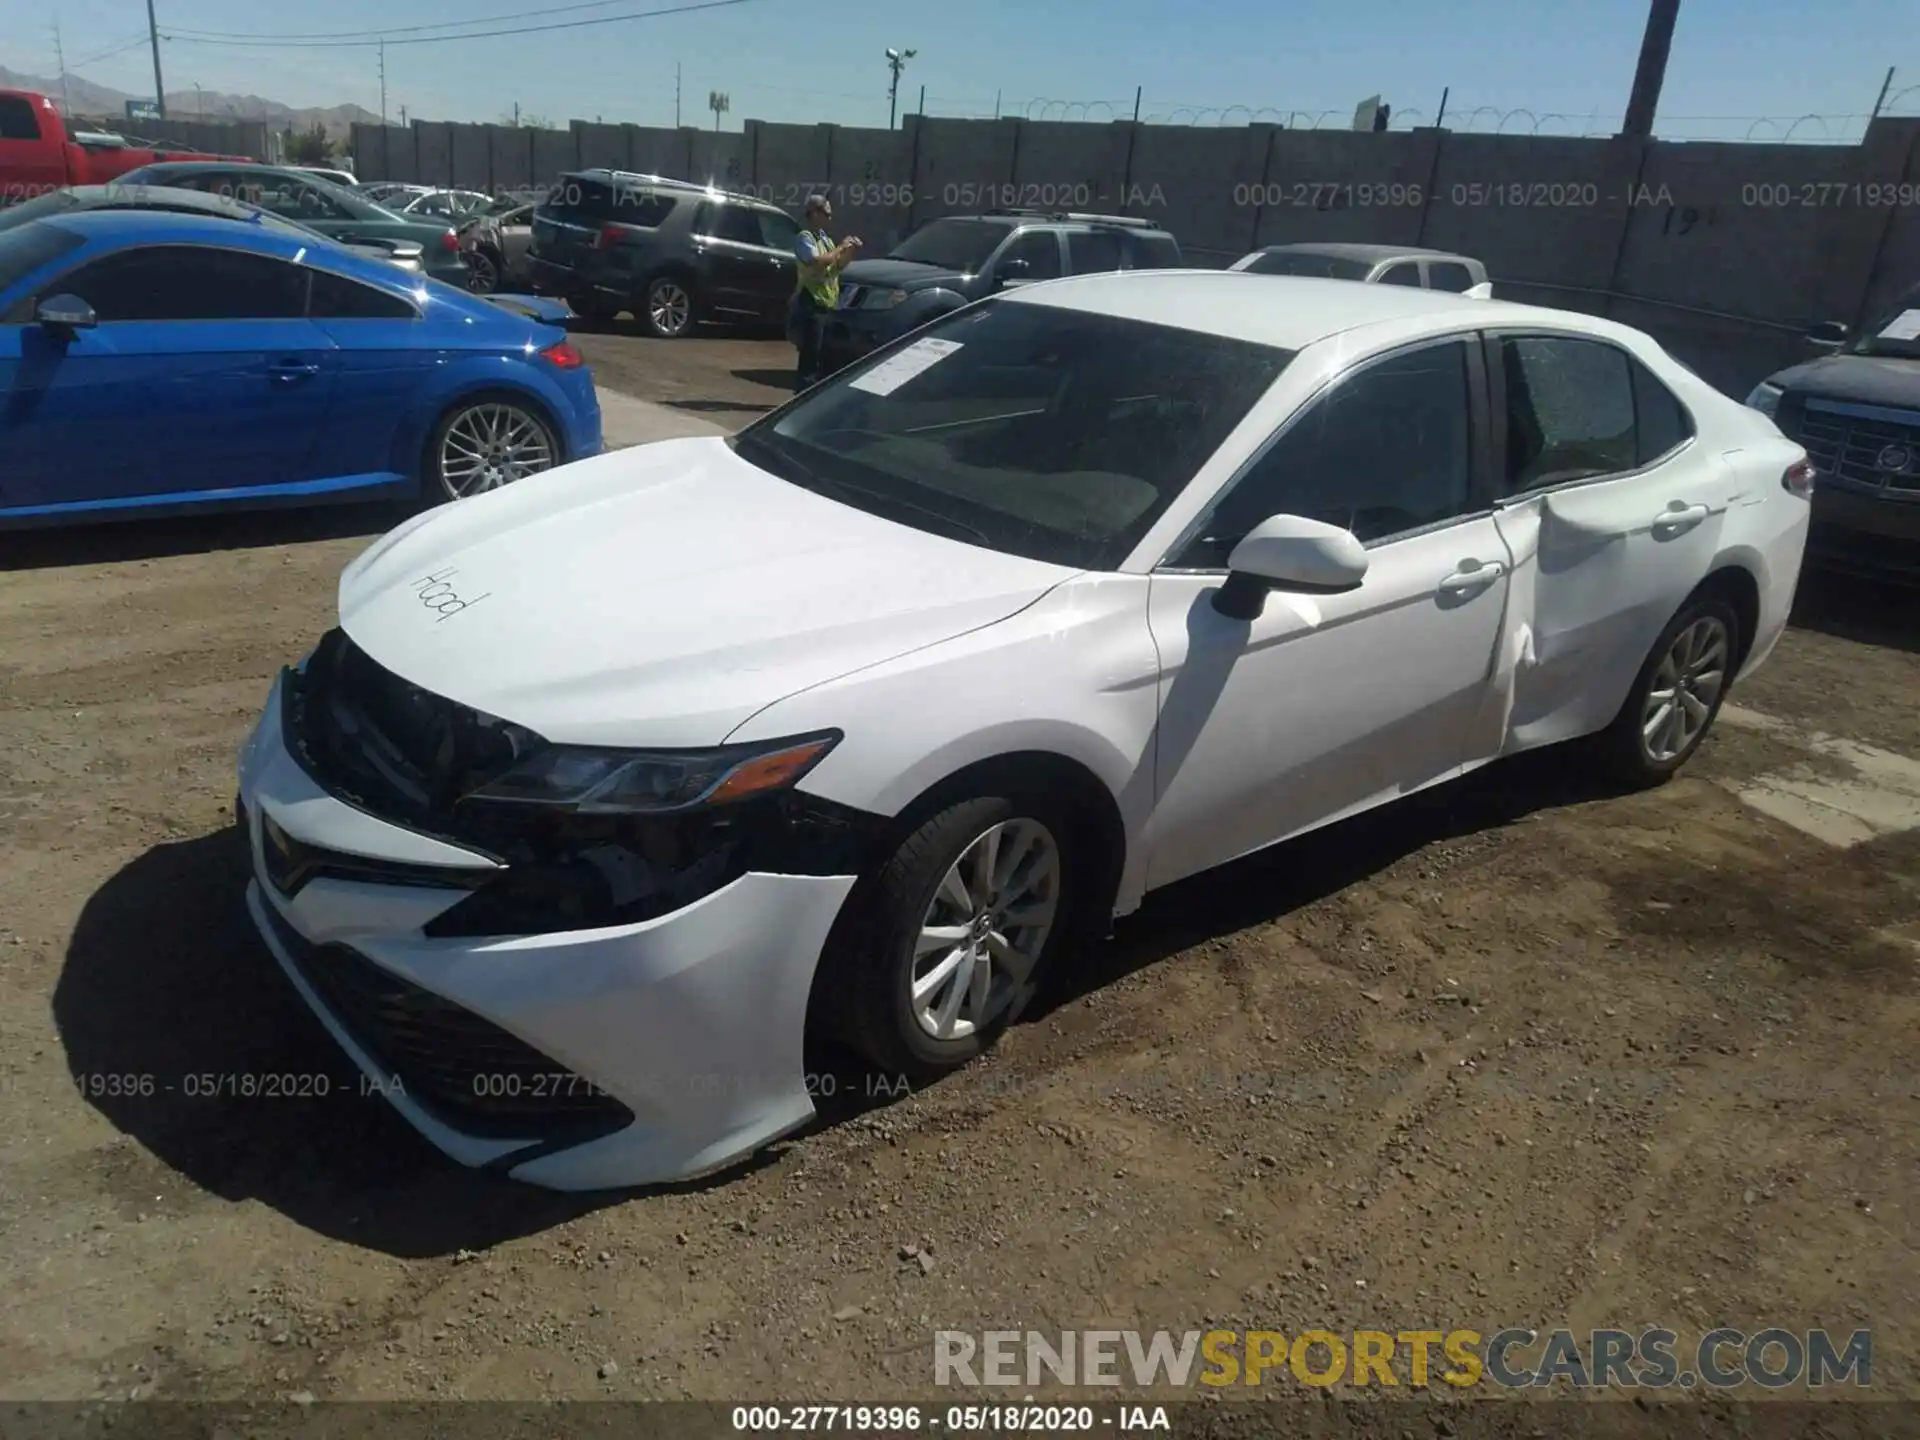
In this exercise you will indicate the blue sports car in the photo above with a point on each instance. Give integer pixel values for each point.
(157, 362)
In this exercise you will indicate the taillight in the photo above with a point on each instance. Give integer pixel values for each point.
(1799, 478)
(608, 237)
(450, 242)
(563, 356)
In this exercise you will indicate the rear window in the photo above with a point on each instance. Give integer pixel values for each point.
(590, 200)
(17, 120)
(1155, 252)
(1324, 267)
(25, 249)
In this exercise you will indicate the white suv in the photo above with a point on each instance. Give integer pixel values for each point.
(1410, 266)
(614, 783)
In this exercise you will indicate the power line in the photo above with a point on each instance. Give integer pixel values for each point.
(291, 44)
(397, 30)
(110, 51)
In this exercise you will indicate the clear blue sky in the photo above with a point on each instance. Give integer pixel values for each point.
(798, 60)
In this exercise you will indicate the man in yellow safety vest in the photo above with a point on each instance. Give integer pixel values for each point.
(818, 263)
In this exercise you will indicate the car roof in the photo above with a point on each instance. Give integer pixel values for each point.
(172, 196)
(1371, 254)
(1287, 311)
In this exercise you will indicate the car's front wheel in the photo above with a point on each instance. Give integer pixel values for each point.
(669, 310)
(1677, 695)
(483, 272)
(949, 940)
(487, 442)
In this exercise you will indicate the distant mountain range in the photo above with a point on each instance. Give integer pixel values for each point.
(89, 101)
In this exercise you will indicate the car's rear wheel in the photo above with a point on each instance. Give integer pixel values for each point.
(669, 310)
(947, 943)
(1677, 695)
(485, 443)
(483, 272)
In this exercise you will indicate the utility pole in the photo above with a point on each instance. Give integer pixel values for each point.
(383, 84)
(403, 117)
(159, 85)
(896, 62)
(516, 114)
(1651, 73)
(66, 102)
(1885, 85)
(676, 94)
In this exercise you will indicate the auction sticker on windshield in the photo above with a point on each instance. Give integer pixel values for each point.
(1905, 326)
(890, 374)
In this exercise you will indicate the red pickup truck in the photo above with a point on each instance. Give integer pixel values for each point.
(39, 151)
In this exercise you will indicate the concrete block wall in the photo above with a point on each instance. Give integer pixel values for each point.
(1724, 251)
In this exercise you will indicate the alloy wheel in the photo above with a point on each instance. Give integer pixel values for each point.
(985, 929)
(483, 276)
(669, 307)
(1685, 687)
(489, 445)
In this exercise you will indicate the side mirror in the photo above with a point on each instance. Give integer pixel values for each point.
(1010, 270)
(1289, 552)
(65, 314)
(1828, 335)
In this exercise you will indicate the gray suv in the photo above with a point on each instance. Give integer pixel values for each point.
(669, 251)
(956, 260)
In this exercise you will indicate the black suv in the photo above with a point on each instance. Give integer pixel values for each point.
(958, 259)
(1857, 412)
(668, 250)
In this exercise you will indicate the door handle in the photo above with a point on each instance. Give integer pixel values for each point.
(288, 371)
(1472, 576)
(1680, 517)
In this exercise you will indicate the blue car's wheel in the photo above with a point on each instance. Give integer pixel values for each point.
(486, 442)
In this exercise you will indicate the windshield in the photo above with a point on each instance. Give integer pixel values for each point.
(960, 245)
(1038, 431)
(1895, 335)
(1306, 262)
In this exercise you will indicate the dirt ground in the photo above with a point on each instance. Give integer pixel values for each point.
(1518, 1052)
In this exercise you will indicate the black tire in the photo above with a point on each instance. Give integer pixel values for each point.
(483, 272)
(863, 995)
(669, 307)
(435, 488)
(1622, 749)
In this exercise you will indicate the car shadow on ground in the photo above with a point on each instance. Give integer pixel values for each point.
(718, 407)
(772, 379)
(165, 978)
(109, 544)
(1867, 612)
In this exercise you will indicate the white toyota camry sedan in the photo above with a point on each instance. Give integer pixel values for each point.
(614, 785)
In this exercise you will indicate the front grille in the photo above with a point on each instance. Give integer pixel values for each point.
(463, 1070)
(385, 744)
(1853, 446)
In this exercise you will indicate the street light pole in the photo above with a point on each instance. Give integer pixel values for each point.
(896, 62)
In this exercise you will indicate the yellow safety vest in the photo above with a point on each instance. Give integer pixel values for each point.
(825, 290)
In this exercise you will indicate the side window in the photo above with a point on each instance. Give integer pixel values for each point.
(1405, 273)
(1385, 451)
(17, 120)
(431, 205)
(1661, 423)
(337, 298)
(731, 222)
(1449, 275)
(777, 231)
(1040, 249)
(1154, 252)
(1569, 410)
(188, 282)
(1091, 252)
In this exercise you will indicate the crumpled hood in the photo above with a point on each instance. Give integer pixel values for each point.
(1863, 379)
(661, 595)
